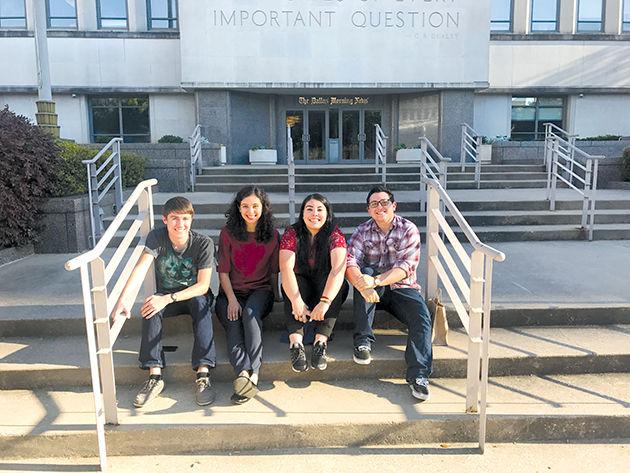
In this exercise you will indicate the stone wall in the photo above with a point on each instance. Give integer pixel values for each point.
(65, 226)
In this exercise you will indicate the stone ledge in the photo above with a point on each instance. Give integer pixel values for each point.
(9, 255)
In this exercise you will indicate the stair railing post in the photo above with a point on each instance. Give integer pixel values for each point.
(478, 162)
(291, 174)
(548, 156)
(554, 175)
(145, 207)
(462, 147)
(103, 341)
(423, 174)
(485, 348)
(118, 174)
(593, 192)
(474, 330)
(433, 228)
(586, 198)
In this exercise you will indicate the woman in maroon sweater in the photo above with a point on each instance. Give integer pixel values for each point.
(248, 274)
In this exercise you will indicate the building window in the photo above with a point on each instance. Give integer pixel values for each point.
(62, 14)
(589, 16)
(529, 115)
(544, 15)
(112, 14)
(125, 117)
(162, 14)
(12, 14)
(626, 16)
(501, 15)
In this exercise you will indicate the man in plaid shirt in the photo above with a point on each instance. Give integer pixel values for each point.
(383, 255)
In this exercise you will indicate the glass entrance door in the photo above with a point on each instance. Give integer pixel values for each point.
(334, 135)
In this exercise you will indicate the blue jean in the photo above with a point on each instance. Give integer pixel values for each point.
(408, 306)
(203, 351)
(244, 336)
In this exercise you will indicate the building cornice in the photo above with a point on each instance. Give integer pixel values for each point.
(94, 34)
(559, 37)
(534, 90)
(68, 90)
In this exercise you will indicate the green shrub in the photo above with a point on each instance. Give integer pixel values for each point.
(625, 164)
(28, 159)
(171, 139)
(601, 138)
(71, 175)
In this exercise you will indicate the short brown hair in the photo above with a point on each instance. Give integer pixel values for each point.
(178, 205)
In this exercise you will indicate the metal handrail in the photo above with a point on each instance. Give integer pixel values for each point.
(98, 302)
(552, 131)
(432, 166)
(98, 188)
(562, 165)
(380, 152)
(474, 307)
(194, 141)
(469, 148)
(291, 172)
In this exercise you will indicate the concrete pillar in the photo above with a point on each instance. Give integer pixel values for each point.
(86, 16)
(613, 11)
(456, 107)
(568, 16)
(137, 14)
(521, 16)
(213, 110)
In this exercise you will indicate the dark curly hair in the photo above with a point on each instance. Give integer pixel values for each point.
(235, 223)
(321, 244)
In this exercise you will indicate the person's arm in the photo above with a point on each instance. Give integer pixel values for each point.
(155, 303)
(362, 282)
(125, 301)
(334, 282)
(290, 285)
(234, 308)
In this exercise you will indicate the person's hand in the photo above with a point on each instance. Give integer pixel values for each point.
(365, 282)
(319, 311)
(370, 295)
(153, 304)
(300, 311)
(233, 309)
(121, 310)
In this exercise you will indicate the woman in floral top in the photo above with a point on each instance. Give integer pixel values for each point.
(312, 263)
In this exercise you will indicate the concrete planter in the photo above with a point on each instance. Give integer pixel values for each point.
(407, 155)
(263, 156)
(485, 153)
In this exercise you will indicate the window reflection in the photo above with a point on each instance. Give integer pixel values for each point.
(501, 15)
(589, 16)
(544, 15)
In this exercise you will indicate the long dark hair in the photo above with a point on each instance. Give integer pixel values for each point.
(235, 223)
(321, 242)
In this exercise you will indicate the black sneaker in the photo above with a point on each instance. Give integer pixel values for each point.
(298, 358)
(204, 392)
(420, 388)
(318, 357)
(151, 389)
(362, 355)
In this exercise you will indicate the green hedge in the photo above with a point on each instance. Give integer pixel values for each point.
(71, 174)
(625, 164)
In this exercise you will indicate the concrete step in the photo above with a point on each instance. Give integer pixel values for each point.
(298, 414)
(364, 187)
(616, 231)
(58, 362)
(488, 217)
(281, 169)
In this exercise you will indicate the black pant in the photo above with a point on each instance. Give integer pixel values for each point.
(203, 352)
(311, 290)
(244, 335)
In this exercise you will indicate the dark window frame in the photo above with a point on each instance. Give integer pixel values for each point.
(121, 132)
(579, 22)
(625, 24)
(99, 18)
(15, 18)
(533, 22)
(49, 18)
(539, 124)
(173, 21)
(509, 22)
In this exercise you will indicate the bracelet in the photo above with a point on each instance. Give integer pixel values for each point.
(325, 300)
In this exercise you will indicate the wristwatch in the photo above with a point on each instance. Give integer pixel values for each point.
(173, 297)
(377, 281)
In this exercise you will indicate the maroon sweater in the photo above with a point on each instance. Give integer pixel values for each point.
(249, 264)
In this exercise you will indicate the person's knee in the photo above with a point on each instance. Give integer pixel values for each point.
(199, 307)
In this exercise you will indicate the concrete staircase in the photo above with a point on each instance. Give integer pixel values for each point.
(559, 370)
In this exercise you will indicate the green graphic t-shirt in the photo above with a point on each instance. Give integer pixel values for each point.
(176, 271)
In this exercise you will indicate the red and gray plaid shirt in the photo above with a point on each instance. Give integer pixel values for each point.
(399, 248)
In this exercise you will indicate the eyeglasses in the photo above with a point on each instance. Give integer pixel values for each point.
(383, 203)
